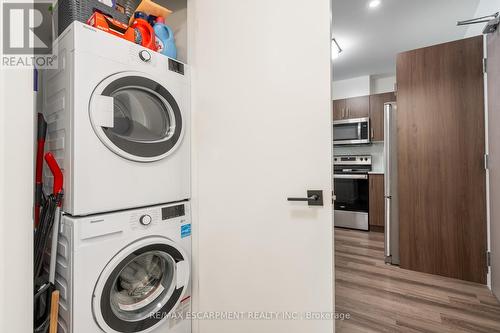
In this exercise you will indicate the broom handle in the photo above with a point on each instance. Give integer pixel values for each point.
(54, 311)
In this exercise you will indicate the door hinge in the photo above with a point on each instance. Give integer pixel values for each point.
(488, 259)
(486, 162)
(485, 65)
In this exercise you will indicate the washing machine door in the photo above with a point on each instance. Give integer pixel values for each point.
(136, 117)
(141, 286)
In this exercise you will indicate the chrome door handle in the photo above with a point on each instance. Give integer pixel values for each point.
(314, 198)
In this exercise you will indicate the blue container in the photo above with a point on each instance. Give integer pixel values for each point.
(165, 38)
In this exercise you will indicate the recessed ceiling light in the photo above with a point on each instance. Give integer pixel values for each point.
(374, 3)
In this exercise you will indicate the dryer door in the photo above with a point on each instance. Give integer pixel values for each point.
(136, 117)
(141, 286)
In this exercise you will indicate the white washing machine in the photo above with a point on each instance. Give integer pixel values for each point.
(118, 123)
(126, 272)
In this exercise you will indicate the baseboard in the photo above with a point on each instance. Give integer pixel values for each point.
(376, 228)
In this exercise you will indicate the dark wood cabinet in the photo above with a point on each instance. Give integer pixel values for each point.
(338, 109)
(376, 214)
(358, 107)
(349, 108)
(442, 188)
(377, 114)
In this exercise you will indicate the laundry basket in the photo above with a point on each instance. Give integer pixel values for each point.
(67, 11)
(129, 6)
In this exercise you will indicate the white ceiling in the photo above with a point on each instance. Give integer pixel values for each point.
(371, 38)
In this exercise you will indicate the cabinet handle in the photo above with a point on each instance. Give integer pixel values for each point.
(343, 113)
(348, 113)
(372, 133)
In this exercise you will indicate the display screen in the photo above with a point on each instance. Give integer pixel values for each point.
(172, 212)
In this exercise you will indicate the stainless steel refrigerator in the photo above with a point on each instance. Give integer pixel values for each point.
(391, 184)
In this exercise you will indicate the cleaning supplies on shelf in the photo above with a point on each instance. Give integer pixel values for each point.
(112, 26)
(165, 41)
(140, 32)
(147, 28)
(144, 33)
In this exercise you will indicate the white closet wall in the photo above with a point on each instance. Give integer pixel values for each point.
(16, 200)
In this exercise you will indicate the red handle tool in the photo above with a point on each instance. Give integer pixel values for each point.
(56, 171)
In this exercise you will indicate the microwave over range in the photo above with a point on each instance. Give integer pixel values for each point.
(351, 131)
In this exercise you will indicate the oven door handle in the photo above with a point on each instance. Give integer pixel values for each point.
(350, 176)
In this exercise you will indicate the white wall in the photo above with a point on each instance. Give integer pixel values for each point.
(178, 22)
(16, 200)
(485, 7)
(382, 83)
(358, 86)
(363, 85)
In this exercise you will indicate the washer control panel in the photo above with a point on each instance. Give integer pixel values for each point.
(150, 217)
(172, 212)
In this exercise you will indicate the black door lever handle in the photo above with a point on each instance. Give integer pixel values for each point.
(314, 198)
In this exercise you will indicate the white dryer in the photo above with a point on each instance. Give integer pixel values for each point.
(118, 123)
(126, 272)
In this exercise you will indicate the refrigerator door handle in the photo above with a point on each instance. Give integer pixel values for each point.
(387, 181)
(387, 148)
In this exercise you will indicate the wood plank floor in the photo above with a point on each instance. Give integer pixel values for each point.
(383, 298)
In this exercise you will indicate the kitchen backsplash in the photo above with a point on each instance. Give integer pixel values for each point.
(376, 150)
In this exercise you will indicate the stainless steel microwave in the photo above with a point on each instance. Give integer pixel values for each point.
(351, 131)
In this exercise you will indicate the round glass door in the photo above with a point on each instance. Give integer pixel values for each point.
(139, 287)
(136, 117)
(143, 282)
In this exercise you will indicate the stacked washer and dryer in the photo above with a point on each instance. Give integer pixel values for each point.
(118, 124)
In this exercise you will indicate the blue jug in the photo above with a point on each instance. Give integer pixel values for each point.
(165, 41)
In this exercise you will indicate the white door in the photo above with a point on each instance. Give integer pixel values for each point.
(262, 133)
(494, 155)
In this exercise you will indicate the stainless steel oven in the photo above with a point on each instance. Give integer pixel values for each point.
(351, 191)
(351, 131)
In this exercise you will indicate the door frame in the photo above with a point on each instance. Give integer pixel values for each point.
(487, 152)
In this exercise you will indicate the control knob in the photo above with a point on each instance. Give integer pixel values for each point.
(145, 56)
(145, 219)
